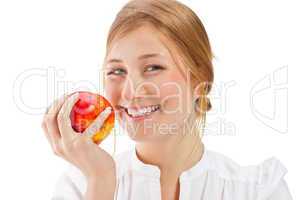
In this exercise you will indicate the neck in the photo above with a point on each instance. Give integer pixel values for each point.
(174, 156)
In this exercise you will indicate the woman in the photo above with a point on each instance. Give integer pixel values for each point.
(158, 73)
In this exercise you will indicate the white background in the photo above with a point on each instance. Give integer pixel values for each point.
(256, 44)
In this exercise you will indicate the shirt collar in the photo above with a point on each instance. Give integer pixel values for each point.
(152, 171)
(149, 170)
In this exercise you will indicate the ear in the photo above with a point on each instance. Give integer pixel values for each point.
(200, 90)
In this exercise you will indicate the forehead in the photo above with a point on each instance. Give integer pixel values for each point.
(143, 40)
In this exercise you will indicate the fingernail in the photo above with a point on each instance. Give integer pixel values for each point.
(108, 110)
(76, 95)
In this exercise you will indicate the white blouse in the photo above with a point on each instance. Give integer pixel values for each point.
(214, 177)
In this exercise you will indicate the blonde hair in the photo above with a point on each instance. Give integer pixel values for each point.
(180, 25)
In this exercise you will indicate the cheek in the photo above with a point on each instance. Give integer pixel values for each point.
(174, 95)
(170, 98)
(112, 93)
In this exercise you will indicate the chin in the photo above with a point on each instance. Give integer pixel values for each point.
(148, 136)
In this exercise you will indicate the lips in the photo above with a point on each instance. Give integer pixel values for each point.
(140, 117)
(136, 106)
(142, 111)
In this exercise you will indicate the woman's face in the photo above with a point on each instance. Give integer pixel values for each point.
(149, 93)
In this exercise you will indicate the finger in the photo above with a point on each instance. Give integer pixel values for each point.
(56, 105)
(55, 144)
(45, 130)
(47, 109)
(98, 122)
(51, 119)
(53, 141)
(63, 118)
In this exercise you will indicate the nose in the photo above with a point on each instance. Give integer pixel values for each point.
(133, 89)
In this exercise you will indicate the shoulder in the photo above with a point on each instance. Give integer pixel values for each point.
(264, 177)
(73, 174)
(265, 172)
(70, 185)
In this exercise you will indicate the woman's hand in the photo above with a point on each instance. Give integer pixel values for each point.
(78, 149)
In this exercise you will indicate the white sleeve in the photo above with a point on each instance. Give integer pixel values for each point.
(281, 192)
(71, 185)
(272, 183)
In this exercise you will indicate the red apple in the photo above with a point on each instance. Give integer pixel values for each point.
(86, 110)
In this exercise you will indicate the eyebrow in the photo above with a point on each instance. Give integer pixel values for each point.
(141, 57)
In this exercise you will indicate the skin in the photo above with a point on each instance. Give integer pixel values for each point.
(78, 149)
(130, 81)
(170, 148)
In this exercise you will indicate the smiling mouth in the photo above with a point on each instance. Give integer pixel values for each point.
(141, 112)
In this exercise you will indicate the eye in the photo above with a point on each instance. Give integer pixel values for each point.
(117, 71)
(153, 68)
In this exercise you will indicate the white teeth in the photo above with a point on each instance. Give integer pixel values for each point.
(143, 111)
